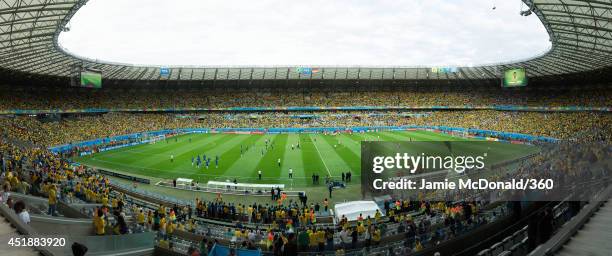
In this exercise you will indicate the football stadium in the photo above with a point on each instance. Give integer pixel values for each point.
(468, 127)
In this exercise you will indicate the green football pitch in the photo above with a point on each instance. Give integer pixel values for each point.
(318, 154)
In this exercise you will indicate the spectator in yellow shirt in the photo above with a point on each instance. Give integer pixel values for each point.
(52, 200)
(104, 201)
(141, 218)
(376, 236)
(99, 223)
(170, 228)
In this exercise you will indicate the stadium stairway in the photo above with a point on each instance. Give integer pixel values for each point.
(594, 237)
(7, 232)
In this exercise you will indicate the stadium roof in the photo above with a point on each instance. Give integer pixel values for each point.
(580, 32)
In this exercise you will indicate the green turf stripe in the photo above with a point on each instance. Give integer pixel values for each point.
(350, 143)
(245, 163)
(310, 157)
(140, 156)
(230, 152)
(182, 151)
(331, 155)
(293, 159)
(270, 161)
(167, 169)
(220, 149)
(400, 136)
(437, 136)
(349, 158)
(267, 162)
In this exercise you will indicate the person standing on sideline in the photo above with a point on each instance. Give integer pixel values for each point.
(259, 174)
(326, 204)
(331, 188)
(290, 173)
(278, 162)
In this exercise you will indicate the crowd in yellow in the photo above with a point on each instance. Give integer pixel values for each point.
(140, 98)
(561, 125)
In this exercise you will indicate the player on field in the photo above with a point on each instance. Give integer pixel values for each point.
(259, 174)
(192, 161)
(172, 158)
(290, 173)
(278, 162)
(217, 161)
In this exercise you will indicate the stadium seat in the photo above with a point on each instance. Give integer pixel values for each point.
(497, 248)
(485, 252)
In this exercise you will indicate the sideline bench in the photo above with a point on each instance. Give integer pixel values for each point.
(251, 189)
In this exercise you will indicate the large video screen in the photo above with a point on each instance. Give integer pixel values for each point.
(514, 78)
(91, 79)
(164, 73)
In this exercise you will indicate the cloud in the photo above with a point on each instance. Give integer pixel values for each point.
(315, 32)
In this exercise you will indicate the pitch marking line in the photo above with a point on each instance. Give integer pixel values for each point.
(324, 164)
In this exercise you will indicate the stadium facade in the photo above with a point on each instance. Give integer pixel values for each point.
(580, 33)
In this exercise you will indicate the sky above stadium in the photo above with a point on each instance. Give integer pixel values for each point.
(305, 33)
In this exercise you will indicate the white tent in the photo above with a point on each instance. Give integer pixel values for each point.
(351, 210)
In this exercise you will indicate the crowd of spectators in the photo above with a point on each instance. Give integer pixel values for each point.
(147, 98)
(559, 125)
